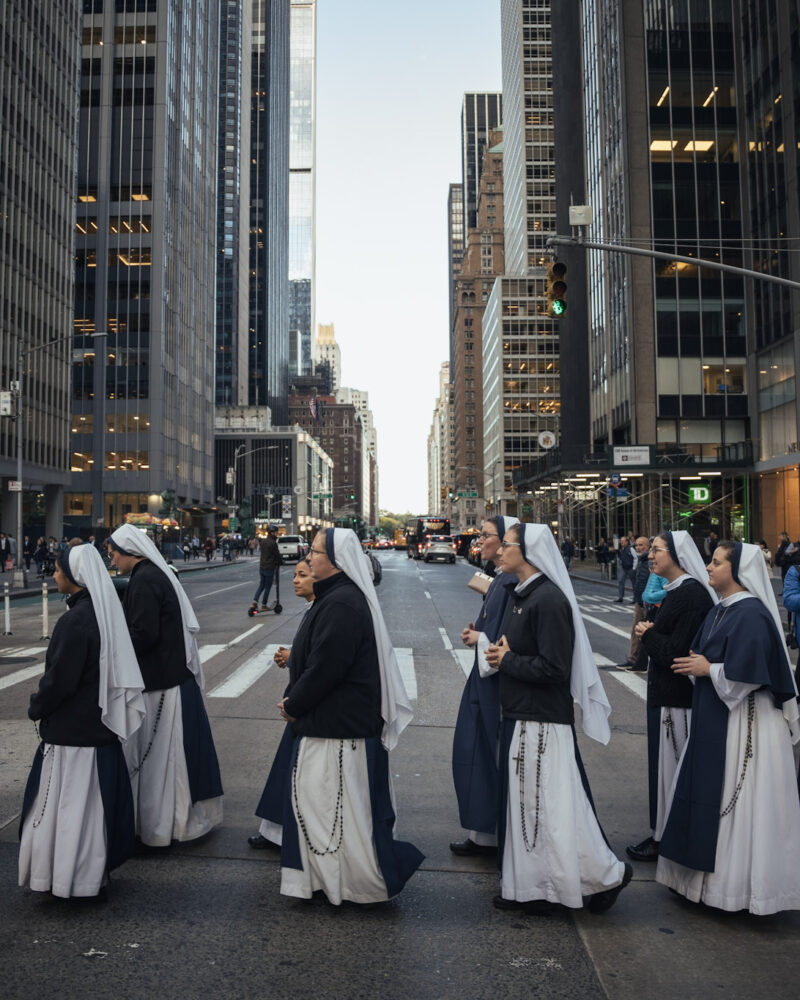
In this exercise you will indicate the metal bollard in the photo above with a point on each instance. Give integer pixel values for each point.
(45, 613)
(7, 603)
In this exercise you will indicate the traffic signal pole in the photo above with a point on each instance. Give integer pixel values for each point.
(746, 272)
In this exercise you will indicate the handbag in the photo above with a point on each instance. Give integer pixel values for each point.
(479, 582)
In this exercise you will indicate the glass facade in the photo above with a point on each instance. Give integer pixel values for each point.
(455, 248)
(302, 142)
(480, 115)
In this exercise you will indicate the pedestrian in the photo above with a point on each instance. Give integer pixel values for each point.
(196, 546)
(269, 562)
(475, 741)
(791, 601)
(711, 542)
(77, 820)
(568, 551)
(173, 763)
(270, 806)
(40, 556)
(582, 548)
(731, 839)
(641, 575)
(187, 550)
(765, 552)
(601, 554)
(627, 562)
(669, 696)
(551, 847)
(347, 705)
(5, 552)
(208, 548)
(28, 549)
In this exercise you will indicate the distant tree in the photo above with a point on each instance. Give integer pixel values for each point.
(390, 522)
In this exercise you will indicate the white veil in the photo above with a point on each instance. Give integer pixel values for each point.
(540, 549)
(396, 710)
(135, 541)
(121, 685)
(690, 560)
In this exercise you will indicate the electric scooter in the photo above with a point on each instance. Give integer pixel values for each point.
(275, 608)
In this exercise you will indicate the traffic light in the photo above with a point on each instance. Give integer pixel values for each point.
(556, 289)
(444, 493)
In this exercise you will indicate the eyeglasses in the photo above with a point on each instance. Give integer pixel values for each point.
(657, 548)
(486, 534)
(507, 545)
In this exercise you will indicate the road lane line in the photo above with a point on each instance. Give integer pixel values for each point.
(245, 676)
(20, 675)
(206, 652)
(625, 633)
(428, 596)
(603, 661)
(405, 660)
(20, 651)
(445, 638)
(222, 590)
(244, 635)
(465, 658)
(631, 681)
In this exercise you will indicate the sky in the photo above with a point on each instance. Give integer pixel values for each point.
(391, 75)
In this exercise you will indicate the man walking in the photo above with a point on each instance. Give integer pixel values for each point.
(641, 575)
(5, 551)
(269, 561)
(627, 562)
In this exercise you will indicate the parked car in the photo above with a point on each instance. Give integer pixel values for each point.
(475, 552)
(292, 547)
(440, 547)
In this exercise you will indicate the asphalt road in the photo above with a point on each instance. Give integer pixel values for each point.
(207, 920)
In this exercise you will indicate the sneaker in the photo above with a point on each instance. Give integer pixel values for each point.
(602, 901)
(646, 850)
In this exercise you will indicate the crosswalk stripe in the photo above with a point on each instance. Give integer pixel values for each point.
(21, 675)
(20, 651)
(603, 661)
(625, 633)
(405, 660)
(465, 659)
(633, 682)
(245, 675)
(206, 652)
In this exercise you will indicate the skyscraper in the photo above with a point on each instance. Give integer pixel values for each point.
(269, 207)
(480, 115)
(328, 352)
(144, 255)
(455, 246)
(39, 83)
(302, 196)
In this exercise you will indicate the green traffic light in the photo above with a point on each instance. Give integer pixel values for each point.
(559, 307)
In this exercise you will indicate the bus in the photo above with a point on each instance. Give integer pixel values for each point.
(420, 529)
(400, 539)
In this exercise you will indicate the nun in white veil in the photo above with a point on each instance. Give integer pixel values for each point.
(77, 819)
(347, 705)
(731, 838)
(552, 848)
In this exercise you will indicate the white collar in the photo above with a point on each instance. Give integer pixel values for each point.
(523, 585)
(676, 583)
(735, 598)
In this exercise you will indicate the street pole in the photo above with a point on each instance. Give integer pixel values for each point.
(20, 356)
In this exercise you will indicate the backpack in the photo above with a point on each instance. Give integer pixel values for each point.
(375, 568)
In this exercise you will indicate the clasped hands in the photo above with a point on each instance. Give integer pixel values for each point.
(694, 664)
(282, 710)
(496, 652)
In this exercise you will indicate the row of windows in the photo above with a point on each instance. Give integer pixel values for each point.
(116, 461)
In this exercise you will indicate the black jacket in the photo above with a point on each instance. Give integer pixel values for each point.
(154, 621)
(535, 675)
(677, 622)
(640, 578)
(66, 703)
(270, 554)
(334, 679)
(625, 556)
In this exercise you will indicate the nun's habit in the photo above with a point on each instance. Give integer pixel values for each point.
(177, 790)
(77, 819)
(732, 836)
(475, 740)
(551, 845)
(669, 696)
(349, 706)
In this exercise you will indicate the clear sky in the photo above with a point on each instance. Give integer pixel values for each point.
(391, 75)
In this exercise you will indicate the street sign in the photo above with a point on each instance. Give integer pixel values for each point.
(615, 479)
(468, 493)
(286, 505)
(322, 496)
(233, 523)
(229, 477)
(631, 454)
(5, 404)
(14, 486)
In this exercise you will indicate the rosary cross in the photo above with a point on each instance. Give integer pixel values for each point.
(518, 758)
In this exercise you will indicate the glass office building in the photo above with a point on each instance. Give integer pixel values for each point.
(302, 199)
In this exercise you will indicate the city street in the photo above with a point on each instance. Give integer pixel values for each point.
(207, 920)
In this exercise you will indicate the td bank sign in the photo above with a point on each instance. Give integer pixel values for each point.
(699, 494)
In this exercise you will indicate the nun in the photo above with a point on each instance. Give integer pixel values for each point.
(552, 849)
(731, 837)
(77, 821)
(689, 597)
(270, 806)
(347, 706)
(172, 760)
(476, 775)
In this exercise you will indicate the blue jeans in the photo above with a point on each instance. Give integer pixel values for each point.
(264, 584)
(624, 574)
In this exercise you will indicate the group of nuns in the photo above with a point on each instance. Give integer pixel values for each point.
(722, 718)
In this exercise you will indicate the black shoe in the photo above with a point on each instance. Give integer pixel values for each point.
(261, 843)
(602, 901)
(647, 850)
(466, 848)
(619, 601)
(533, 907)
(627, 665)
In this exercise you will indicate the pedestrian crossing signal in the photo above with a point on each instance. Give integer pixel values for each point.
(556, 289)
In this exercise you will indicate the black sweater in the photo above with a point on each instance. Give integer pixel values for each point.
(154, 621)
(334, 687)
(535, 675)
(677, 622)
(66, 704)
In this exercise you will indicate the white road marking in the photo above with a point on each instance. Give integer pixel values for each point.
(428, 596)
(405, 660)
(625, 633)
(244, 635)
(20, 651)
(465, 658)
(632, 681)
(603, 661)
(21, 675)
(222, 590)
(245, 676)
(206, 652)
(445, 638)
